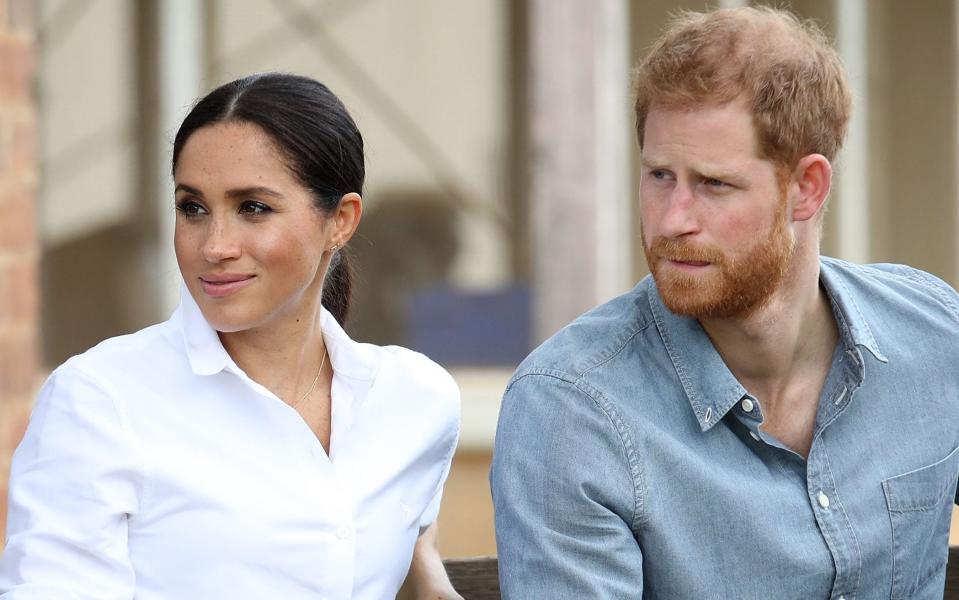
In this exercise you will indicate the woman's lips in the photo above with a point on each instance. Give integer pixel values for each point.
(220, 287)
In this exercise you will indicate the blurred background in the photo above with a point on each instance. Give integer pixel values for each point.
(501, 196)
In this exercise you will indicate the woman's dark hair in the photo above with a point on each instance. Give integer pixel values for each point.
(311, 127)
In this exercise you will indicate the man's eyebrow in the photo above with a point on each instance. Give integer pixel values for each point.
(256, 190)
(647, 162)
(721, 173)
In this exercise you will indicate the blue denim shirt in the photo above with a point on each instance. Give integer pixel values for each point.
(630, 462)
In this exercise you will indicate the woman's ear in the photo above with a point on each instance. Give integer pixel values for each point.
(813, 177)
(346, 218)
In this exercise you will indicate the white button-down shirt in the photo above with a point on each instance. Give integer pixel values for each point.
(153, 467)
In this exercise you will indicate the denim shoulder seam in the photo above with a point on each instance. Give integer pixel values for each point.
(543, 371)
(629, 451)
(930, 283)
(616, 352)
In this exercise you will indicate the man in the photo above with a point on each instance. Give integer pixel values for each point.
(754, 420)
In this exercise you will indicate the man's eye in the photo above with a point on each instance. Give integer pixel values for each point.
(657, 174)
(252, 207)
(190, 208)
(712, 182)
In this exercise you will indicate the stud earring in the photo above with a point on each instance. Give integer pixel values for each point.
(334, 248)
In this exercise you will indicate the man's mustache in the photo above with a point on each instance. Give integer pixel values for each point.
(673, 249)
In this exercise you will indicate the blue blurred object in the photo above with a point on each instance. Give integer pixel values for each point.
(455, 327)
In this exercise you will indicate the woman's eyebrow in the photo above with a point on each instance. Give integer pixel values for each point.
(189, 189)
(256, 190)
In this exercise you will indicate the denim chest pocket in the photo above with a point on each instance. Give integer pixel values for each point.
(920, 505)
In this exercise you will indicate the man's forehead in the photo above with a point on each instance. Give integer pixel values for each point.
(715, 133)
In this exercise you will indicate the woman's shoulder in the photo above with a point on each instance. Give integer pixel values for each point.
(420, 370)
(148, 349)
(414, 381)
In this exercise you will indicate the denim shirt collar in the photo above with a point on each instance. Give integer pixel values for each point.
(709, 385)
(853, 327)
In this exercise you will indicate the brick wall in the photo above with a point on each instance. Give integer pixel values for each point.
(19, 248)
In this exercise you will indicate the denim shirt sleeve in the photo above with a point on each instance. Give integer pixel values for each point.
(564, 494)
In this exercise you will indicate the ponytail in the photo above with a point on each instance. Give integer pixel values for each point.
(338, 287)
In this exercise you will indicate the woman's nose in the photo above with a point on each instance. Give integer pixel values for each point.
(221, 242)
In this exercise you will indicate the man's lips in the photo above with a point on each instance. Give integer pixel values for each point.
(694, 263)
(224, 285)
(687, 265)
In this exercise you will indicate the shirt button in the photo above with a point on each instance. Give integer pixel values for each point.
(823, 500)
(842, 598)
(343, 532)
(747, 405)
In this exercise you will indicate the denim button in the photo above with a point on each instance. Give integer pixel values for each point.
(747, 405)
(823, 500)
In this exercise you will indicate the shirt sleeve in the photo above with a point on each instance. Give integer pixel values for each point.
(74, 484)
(432, 510)
(564, 496)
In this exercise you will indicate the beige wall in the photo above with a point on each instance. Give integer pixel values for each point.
(425, 80)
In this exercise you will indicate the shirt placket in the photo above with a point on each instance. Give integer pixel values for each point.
(833, 521)
(330, 500)
(331, 490)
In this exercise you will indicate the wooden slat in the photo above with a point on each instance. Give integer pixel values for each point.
(477, 579)
(474, 578)
(952, 575)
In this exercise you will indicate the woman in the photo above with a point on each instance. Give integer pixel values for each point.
(246, 448)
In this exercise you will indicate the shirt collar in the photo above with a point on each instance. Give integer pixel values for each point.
(853, 327)
(207, 355)
(709, 385)
(351, 359)
(204, 350)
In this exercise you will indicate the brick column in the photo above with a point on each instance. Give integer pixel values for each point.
(19, 248)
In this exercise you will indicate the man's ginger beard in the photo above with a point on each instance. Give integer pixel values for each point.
(733, 287)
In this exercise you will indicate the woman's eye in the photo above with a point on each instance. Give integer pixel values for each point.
(190, 208)
(252, 207)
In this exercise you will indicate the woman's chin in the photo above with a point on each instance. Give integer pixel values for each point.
(225, 322)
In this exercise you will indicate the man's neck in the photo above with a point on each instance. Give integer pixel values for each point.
(782, 352)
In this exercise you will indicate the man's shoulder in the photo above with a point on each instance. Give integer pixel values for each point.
(889, 287)
(594, 337)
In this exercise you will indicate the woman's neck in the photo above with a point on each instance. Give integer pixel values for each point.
(283, 356)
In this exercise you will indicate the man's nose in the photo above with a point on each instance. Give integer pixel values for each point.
(682, 213)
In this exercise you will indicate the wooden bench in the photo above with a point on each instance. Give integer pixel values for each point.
(476, 578)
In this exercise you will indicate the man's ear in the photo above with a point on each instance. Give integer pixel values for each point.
(346, 218)
(813, 178)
